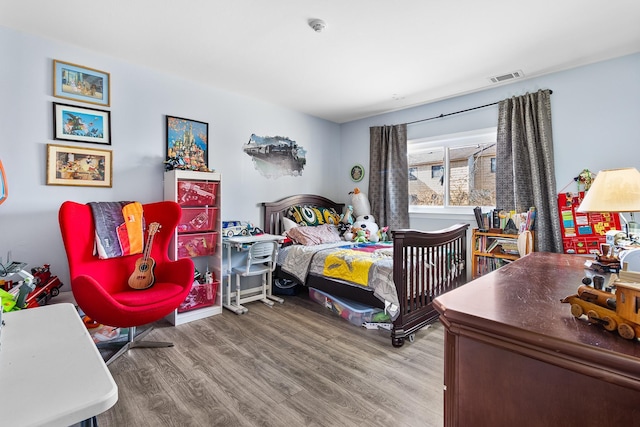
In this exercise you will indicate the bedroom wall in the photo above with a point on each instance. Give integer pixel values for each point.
(595, 110)
(141, 98)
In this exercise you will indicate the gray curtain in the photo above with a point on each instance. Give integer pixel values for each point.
(525, 174)
(389, 176)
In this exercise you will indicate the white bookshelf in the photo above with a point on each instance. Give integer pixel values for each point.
(174, 183)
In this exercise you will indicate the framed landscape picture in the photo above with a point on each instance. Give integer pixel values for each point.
(187, 140)
(71, 123)
(84, 167)
(71, 81)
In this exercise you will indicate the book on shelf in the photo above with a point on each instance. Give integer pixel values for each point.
(493, 246)
(502, 246)
(497, 219)
(508, 246)
(487, 265)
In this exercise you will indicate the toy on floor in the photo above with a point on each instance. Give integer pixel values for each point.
(36, 289)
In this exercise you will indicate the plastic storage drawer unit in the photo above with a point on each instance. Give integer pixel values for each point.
(196, 244)
(197, 193)
(352, 311)
(201, 295)
(198, 219)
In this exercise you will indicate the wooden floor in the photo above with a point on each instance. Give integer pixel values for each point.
(295, 364)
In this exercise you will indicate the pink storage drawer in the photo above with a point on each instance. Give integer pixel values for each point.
(197, 193)
(197, 244)
(201, 295)
(198, 219)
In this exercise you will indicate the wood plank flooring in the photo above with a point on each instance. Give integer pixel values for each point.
(296, 364)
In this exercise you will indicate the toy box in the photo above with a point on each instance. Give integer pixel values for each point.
(201, 295)
(352, 311)
(198, 219)
(197, 193)
(197, 244)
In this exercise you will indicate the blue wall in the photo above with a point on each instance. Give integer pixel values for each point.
(595, 113)
(141, 98)
(595, 117)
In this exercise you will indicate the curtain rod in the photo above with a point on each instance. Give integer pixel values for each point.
(457, 112)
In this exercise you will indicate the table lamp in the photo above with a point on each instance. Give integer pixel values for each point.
(614, 190)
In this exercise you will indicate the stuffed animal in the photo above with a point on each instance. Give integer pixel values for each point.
(361, 236)
(383, 233)
(344, 226)
(347, 217)
(349, 234)
(344, 229)
(368, 224)
(360, 203)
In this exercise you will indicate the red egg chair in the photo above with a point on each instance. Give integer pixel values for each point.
(100, 286)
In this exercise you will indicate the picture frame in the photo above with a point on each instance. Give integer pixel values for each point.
(80, 124)
(78, 83)
(79, 166)
(188, 141)
(356, 173)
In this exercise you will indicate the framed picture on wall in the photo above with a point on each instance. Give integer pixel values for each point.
(357, 173)
(72, 123)
(188, 141)
(71, 81)
(76, 166)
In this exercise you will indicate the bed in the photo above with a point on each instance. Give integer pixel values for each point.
(424, 264)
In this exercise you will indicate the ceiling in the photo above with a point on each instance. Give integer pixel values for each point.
(374, 56)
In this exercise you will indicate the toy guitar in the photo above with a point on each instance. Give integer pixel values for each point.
(142, 277)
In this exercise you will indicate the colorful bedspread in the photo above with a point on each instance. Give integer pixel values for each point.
(352, 264)
(367, 265)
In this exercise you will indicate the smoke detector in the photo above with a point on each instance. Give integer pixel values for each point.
(318, 25)
(509, 76)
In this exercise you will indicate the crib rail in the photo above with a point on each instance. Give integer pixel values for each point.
(433, 262)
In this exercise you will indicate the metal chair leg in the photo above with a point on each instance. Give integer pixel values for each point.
(136, 342)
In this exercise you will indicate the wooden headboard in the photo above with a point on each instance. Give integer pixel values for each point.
(273, 212)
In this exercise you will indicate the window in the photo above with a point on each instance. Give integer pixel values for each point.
(413, 174)
(453, 170)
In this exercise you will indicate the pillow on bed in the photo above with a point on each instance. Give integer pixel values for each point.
(313, 215)
(288, 224)
(308, 236)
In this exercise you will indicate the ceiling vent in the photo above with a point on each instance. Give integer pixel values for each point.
(503, 78)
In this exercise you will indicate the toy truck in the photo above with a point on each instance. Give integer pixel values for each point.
(47, 287)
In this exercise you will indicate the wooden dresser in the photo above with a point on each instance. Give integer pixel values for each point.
(515, 356)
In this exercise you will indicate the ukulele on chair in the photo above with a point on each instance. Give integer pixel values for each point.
(142, 277)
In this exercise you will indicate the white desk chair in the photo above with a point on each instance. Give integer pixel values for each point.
(261, 260)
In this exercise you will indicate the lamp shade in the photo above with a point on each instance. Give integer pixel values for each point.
(614, 190)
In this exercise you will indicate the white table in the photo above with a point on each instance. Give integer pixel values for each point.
(51, 372)
(240, 243)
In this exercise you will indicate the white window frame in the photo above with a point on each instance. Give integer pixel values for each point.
(478, 136)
